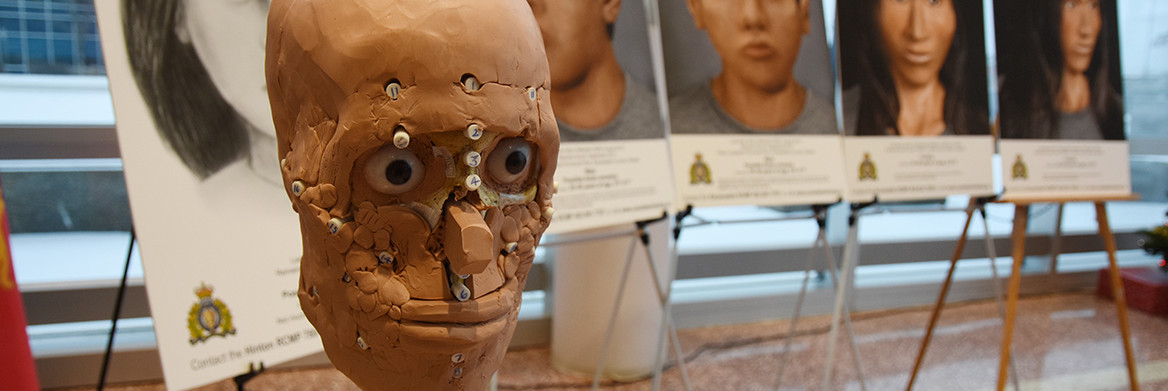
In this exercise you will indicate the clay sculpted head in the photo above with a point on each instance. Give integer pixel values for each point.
(418, 146)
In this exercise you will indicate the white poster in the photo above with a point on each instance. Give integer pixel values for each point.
(1062, 115)
(901, 168)
(1065, 168)
(613, 166)
(915, 99)
(220, 243)
(751, 103)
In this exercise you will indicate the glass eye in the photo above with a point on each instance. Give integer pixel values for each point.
(394, 171)
(511, 161)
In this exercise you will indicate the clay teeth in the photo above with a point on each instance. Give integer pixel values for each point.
(385, 258)
(401, 139)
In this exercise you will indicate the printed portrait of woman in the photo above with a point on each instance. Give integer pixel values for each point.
(1059, 66)
(913, 67)
(199, 65)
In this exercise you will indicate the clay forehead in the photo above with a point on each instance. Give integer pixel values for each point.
(426, 43)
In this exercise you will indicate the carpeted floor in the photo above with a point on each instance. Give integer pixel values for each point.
(1066, 341)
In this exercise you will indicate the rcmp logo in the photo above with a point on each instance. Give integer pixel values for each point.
(867, 168)
(1018, 171)
(209, 317)
(699, 172)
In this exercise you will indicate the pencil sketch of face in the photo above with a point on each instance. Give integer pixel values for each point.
(228, 35)
(199, 68)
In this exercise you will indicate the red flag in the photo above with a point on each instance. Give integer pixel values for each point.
(16, 365)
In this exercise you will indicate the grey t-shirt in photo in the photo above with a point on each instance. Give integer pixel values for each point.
(1080, 125)
(638, 118)
(697, 112)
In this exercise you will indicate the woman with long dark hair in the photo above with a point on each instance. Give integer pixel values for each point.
(199, 67)
(1060, 70)
(913, 67)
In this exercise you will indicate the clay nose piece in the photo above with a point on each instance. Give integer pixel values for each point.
(468, 238)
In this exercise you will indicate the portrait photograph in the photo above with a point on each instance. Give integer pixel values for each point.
(1059, 74)
(913, 67)
(601, 74)
(748, 67)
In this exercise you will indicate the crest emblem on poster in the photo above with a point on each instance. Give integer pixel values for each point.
(867, 168)
(1018, 170)
(209, 317)
(699, 172)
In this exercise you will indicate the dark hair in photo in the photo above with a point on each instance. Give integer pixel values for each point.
(191, 115)
(864, 63)
(1030, 60)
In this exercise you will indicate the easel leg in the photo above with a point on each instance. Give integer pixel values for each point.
(944, 292)
(1018, 236)
(841, 296)
(820, 240)
(1117, 292)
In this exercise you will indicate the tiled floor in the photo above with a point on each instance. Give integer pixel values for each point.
(1067, 341)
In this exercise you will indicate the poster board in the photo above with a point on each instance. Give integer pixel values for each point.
(220, 243)
(1062, 117)
(915, 99)
(613, 165)
(751, 104)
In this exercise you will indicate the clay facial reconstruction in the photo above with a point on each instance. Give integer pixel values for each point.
(417, 144)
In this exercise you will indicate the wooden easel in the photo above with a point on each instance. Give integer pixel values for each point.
(1018, 239)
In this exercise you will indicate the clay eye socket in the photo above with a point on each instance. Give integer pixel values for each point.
(394, 171)
(511, 161)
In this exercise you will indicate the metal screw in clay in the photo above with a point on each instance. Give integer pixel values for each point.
(401, 139)
(298, 188)
(472, 182)
(385, 258)
(393, 89)
(471, 158)
(474, 131)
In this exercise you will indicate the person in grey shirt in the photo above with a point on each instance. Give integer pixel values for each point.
(756, 92)
(592, 97)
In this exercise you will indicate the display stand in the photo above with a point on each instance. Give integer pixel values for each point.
(109, 346)
(667, 309)
(977, 205)
(1018, 239)
(252, 371)
(820, 213)
(843, 291)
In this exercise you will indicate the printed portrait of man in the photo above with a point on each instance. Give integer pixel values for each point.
(756, 91)
(593, 97)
